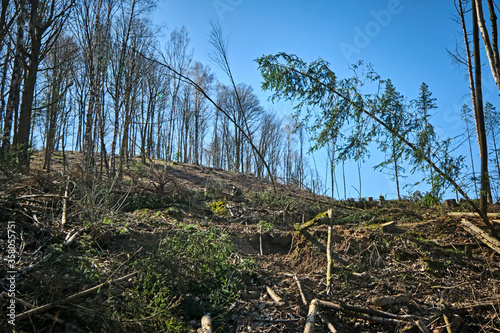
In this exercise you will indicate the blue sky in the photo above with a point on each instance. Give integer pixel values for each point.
(405, 40)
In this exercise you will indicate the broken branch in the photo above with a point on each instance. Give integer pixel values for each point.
(491, 242)
(47, 307)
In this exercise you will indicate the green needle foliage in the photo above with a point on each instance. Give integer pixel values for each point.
(330, 104)
(338, 108)
(393, 113)
(335, 109)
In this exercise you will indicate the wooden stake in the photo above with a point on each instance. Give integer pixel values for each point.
(329, 258)
(260, 240)
(65, 205)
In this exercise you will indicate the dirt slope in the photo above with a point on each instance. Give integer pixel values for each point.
(206, 240)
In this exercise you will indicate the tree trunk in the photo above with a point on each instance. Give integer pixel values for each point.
(124, 143)
(15, 82)
(396, 171)
(22, 137)
(88, 137)
(494, 33)
(479, 115)
(470, 75)
(491, 53)
(2, 84)
(495, 150)
(52, 120)
(471, 155)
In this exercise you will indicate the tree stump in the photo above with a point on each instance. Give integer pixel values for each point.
(389, 227)
(450, 203)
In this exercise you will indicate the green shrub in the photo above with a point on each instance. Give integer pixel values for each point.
(430, 199)
(138, 169)
(191, 273)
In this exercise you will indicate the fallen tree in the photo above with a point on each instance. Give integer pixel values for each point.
(315, 86)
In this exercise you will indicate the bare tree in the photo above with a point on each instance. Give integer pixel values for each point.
(492, 119)
(123, 32)
(16, 77)
(204, 78)
(270, 143)
(221, 59)
(178, 57)
(392, 108)
(485, 191)
(8, 13)
(243, 107)
(153, 90)
(46, 21)
(135, 70)
(59, 67)
(3, 83)
(93, 20)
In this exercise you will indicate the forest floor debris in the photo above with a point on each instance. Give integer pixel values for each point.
(221, 245)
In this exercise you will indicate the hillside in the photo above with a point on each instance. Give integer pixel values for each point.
(179, 241)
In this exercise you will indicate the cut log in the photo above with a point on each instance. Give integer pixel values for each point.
(264, 305)
(471, 214)
(492, 243)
